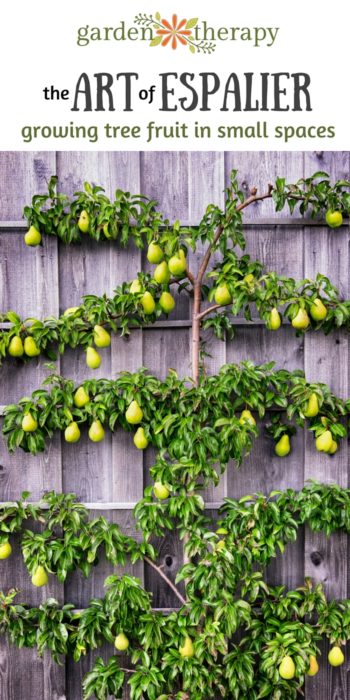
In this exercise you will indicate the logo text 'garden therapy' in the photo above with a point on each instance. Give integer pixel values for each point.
(198, 35)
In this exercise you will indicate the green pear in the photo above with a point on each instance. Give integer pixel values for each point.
(301, 320)
(105, 230)
(312, 408)
(81, 397)
(187, 649)
(96, 431)
(40, 577)
(29, 424)
(282, 447)
(16, 348)
(162, 273)
(313, 666)
(318, 310)
(140, 440)
(177, 264)
(148, 303)
(30, 347)
(334, 219)
(324, 441)
(221, 531)
(5, 550)
(247, 417)
(102, 339)
(134, 413)
(274, 322)
(287, 668)
(121, 642)
(336, 656)
(135, 287)
(222, 295)
(71, 311)
(220, 545)
(84, 221)
(333, 448)
(167, 302)
(93, 359)
(161, 491)
(32, 237)
(155, 254)
(72, 432)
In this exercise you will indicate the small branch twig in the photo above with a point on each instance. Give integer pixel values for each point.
(190, 277)
(165, 578)
(208, 311)
(253, 198)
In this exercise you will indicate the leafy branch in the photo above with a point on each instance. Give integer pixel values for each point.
(202, 426)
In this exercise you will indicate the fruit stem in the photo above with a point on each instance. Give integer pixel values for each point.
(165, 578)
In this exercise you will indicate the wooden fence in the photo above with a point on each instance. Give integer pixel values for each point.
(111, 475)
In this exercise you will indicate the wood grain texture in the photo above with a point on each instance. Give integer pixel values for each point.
(43, 281)
(29, 285)
(325, 360)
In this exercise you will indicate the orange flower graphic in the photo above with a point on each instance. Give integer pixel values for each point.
(174, 32)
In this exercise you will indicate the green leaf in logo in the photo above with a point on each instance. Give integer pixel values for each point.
(156, 41)
(191, 23)
(192, 48)
(157, 16)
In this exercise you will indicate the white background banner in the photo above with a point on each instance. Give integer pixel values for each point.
(227, 96)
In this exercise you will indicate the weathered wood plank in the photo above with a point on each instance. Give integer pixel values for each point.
(259, 169)
(93, 470)
(263, 470)
(159, 355)
(29, 285)
(326, 360)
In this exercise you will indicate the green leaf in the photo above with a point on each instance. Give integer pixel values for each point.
(156, 41)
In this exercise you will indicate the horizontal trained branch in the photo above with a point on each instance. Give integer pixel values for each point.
(196, 643)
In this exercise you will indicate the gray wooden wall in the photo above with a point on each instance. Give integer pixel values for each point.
(43, 281)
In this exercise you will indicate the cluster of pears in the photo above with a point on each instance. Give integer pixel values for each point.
(175, 266)
(325, 441)
(18, 348)
(102, 339)
(186, 650)
(133, 416)
(287, 666)
(301, 320)
(33, 236)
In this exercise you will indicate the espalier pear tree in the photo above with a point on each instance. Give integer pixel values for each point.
(232, 635)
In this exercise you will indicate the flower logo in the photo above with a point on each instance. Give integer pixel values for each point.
(174, 32)
(177, 31)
